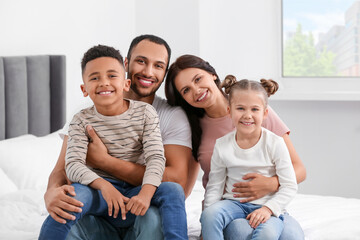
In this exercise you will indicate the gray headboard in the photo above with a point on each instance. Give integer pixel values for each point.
(32, 95)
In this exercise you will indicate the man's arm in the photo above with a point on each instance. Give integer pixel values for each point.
(176, 170)
(56, 199)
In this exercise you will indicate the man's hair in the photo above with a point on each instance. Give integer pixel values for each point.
(100, 51)
(151, 38)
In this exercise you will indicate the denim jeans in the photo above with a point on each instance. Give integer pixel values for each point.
(169, 198)
(90, 227)
(215, 219)
(239, 229)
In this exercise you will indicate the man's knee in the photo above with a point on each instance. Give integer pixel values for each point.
(149, 225)
(172, 190)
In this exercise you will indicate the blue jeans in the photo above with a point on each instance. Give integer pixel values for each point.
(90, 227)
(239, 229)
(215, 219)
(169, 198)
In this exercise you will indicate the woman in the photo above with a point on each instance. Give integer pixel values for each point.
(193, 84)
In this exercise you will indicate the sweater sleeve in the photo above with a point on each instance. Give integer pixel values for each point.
(75, 159)
(286, 175)
(153, 148)
(217, 177)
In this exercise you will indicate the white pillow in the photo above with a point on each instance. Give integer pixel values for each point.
(6, 186)
(28, 161)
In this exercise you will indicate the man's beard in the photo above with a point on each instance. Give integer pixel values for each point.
(135, 88)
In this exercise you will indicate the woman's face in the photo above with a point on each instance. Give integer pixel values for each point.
(197, 87)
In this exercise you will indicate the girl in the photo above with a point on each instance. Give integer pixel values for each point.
(250, 148)
(193, 84)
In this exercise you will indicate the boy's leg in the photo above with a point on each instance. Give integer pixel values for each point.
(215, 218)
(271, 229)
(93, 203)
(170, 199)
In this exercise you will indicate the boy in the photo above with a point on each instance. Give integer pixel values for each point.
(130, 131)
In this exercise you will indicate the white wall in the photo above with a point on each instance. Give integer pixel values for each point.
(65, 27)
(238, 37)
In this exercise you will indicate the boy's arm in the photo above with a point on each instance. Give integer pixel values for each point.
(177, 163)
(57, 202)
(114, 199)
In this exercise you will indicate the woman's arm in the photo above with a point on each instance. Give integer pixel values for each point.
(300, 170)
(57, 202)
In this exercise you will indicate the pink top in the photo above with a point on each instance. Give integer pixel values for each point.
(214, 128)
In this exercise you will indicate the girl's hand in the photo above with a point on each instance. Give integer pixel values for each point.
(256, 188)
(139, 204)
(115, 200)
(258, 216)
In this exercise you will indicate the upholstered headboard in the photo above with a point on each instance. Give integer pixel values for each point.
(32, 95)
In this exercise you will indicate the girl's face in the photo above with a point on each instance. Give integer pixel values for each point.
(197, 87)
(247, 111)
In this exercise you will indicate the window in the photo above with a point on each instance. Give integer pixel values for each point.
(317, 36)
(319, 50)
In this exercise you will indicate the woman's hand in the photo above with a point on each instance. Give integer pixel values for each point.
(257, 187)
(59, 203)
(258, 216)
(96, 150)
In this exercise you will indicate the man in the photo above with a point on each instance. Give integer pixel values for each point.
(146, 64)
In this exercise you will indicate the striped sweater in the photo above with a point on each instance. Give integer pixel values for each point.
(131, 136)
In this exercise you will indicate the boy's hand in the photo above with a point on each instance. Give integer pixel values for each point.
(114, 199)
(258, 216)
(139, 204)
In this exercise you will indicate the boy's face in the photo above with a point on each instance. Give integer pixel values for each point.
(147, 67)
(104, 82)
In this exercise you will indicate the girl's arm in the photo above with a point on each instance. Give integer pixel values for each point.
(259, 186)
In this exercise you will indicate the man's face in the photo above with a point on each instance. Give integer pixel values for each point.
(147, 67)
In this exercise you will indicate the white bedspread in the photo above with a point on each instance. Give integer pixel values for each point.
(26, 162)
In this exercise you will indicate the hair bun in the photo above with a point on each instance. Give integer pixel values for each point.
(228, 82)
(270, 86)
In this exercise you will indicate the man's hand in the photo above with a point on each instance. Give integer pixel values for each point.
(96, 149)
(260, 215)
(139, 204)
(57, 203)
(257, 187)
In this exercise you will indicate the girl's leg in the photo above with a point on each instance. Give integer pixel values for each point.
(238, 229)
(215, 218)
(292, 229)
(271, 229)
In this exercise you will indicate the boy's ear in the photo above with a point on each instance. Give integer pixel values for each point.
(228, 109)
(127, 83)
(82, 86)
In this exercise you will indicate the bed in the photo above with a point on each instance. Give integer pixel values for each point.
(29, 119)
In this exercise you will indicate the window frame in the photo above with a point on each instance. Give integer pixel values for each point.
(313, 88)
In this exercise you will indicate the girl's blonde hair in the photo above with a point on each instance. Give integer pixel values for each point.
(265, 87)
